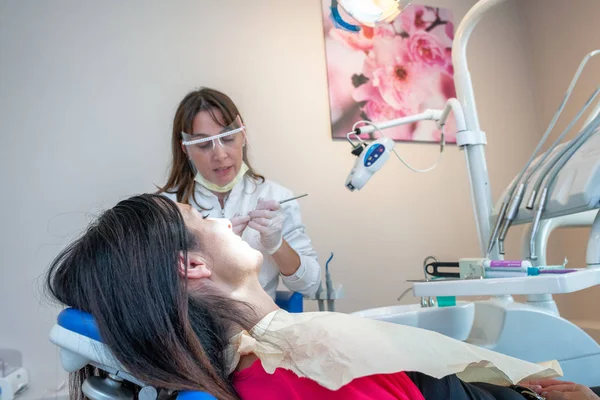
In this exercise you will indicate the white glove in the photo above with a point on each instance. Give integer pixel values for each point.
(267, 219)
(239, 223)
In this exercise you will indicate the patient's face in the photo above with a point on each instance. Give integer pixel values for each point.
(229, 258)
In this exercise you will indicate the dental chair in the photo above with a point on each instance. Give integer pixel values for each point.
(76, 334)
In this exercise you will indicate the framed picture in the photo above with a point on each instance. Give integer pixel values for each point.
(396, 69)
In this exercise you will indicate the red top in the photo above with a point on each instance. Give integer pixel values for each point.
(255, 383)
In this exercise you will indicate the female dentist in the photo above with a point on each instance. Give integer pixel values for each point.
(210, 170)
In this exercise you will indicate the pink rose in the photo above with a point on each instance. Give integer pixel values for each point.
(427, 50)
(397, 79)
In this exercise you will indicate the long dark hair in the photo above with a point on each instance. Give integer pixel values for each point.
(181, 176)
(124, 270)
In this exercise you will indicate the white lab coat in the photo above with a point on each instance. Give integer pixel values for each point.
(243, 199)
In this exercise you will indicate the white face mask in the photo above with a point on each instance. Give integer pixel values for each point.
(213, 187)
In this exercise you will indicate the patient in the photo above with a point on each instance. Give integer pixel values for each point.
(168, 289)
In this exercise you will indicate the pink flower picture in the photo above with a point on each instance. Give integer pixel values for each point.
(390, 71)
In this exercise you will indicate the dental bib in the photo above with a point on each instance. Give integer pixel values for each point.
(333, 349)
(226, 188)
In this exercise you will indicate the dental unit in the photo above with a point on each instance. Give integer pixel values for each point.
(556, 188)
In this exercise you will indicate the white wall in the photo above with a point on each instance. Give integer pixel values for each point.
(87, 93)
(560, 34)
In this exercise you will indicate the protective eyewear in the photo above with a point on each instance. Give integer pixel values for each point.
(231, 136)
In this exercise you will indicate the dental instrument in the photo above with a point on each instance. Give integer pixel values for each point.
(534, 271)
(280, 203)
(503, 274)
(571, 149)
(563, 154)
(327, 293)
(560, 159)
(512, 202)
(320, 301)
(329, 286)
(293, 198)
(536, 188)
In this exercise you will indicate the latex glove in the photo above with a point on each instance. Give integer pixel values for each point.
(267, 219)
(239, 223)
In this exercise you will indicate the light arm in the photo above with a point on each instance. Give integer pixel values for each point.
(433, 115)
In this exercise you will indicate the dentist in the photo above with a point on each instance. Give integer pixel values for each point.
(210, 170)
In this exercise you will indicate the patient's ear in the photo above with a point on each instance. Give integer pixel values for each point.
(196, 266)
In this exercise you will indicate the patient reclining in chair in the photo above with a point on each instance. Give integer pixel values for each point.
(177, 300)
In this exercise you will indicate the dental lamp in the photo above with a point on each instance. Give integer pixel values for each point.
(372, 157)
(367, 12)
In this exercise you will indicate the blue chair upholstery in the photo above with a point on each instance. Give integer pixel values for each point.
(195, 396)
(84, 324)
(79, 322)
(292, 302)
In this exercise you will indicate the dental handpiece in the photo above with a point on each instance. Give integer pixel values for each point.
(505, 219)
(513, 210)
(548, 166)
(587, 132)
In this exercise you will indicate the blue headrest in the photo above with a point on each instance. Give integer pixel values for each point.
(84, 324)
(195, 396)
(79, 322)
(292, 302)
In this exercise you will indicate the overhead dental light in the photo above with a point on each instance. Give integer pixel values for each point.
(367, 12)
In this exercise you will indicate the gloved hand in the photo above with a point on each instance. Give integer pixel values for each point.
(239, 223)
(267, 219)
